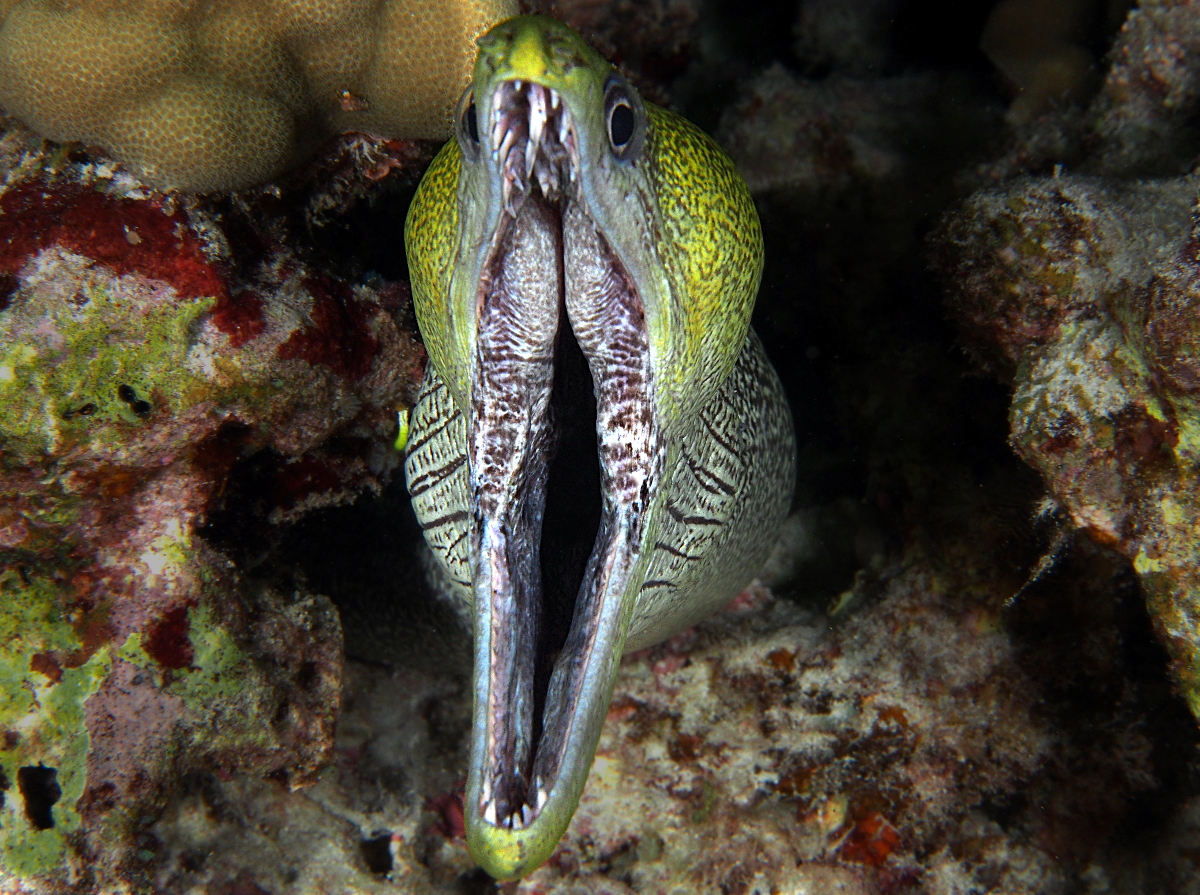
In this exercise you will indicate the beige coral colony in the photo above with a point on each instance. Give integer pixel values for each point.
(207, 95)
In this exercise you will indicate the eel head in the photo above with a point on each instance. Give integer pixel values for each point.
(581, 216)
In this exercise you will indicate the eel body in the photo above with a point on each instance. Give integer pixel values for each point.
(601, 453)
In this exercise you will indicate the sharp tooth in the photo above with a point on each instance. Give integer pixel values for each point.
(554, 100)
(537, 121)
(509, 138)
(489, 813)
(541, 798)
(526, 815)
(531, 150)
(517, 85)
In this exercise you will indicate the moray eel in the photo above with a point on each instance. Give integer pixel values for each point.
(572, 232)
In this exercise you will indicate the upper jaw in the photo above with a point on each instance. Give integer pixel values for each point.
(533, 140)
(549, 267)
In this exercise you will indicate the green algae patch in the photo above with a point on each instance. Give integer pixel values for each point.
(223, 690)
(170, 553)
(134, 652)
(223, 685)
(218, 670)
(1187, 450)
(43, 754)
(85, 367)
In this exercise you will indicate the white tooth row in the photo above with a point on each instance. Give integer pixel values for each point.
(542, 102)
(517, 820)
(537, 121)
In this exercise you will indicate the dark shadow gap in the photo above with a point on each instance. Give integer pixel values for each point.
(573, 505)
(40, 791)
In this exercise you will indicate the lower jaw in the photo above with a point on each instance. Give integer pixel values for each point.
(524, 783)
(579, 696)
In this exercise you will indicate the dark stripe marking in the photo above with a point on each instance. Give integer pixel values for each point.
(426, 437)
(675, 551)
(716, 437)
(718, 486)
(448, 519)
(678, 516)
(434, 477)
(658, 582)
(450, 547)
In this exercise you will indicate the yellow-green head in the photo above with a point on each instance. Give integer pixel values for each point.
(567, 207)
(678, 214)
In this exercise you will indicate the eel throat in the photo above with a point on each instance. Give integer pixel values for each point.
(550, 276)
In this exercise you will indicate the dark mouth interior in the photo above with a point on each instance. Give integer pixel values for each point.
(572, 515)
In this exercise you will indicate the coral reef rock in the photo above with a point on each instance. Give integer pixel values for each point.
(218, 96)
(912, 746)
(1144, 119)
(143, 361)
(1082, 292)
(1086, 293)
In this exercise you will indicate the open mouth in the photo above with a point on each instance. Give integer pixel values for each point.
(562, 348)
(534, 138)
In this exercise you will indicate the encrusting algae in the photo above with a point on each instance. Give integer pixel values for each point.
(140, 360)
(217, 96)
(1097, 331)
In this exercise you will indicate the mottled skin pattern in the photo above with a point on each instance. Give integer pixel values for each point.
(682, 226)
(731, 481)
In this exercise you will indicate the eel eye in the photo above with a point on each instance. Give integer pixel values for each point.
(468, 125)
(620, 125)
(471, 123)
(625, 118)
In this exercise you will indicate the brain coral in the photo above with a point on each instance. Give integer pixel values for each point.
(222, 94)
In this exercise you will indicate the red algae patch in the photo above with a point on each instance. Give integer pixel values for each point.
(869, 841)
(339, 335)
(46, 664)
(240, 316)
(125, 235)
(167, 640)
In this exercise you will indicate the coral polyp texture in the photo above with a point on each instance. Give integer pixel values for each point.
(140, 360)
(219, 95)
